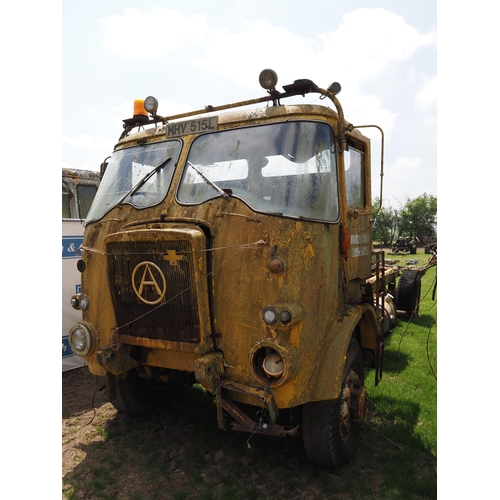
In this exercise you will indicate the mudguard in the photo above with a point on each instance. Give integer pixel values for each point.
(326, 378)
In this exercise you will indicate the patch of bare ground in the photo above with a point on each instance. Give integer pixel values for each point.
(175, 454)
(179, 453)
(80, 408)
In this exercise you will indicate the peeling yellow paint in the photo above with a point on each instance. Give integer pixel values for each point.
(242, 263)
(308, 254)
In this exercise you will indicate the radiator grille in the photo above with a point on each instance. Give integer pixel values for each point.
(176, 316)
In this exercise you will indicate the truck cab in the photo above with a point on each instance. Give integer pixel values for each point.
(232, 246)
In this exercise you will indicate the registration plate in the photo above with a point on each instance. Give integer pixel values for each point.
(192, 126)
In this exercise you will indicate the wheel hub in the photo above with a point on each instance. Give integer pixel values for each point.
(358, 402)
(353, 404)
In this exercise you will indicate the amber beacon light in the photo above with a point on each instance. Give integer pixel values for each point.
(139, 108)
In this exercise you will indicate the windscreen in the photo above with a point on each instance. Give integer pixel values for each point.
(286, 168)
(139, 175)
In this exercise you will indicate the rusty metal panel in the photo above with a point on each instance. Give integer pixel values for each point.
(360, 249)
(241, 263)
(155, 283)
(136, 285)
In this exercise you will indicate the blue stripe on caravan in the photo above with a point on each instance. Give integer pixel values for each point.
(70, 246)
(66, 349)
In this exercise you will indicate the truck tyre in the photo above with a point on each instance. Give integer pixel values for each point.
(329, 434)
(134, 395)
(408, 296)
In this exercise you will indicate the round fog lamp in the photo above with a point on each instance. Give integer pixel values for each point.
(80, 339)
(84, 303)
(270, 315)
(285, 317)
(273, 365)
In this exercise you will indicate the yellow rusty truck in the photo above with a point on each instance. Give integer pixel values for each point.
(232, 246)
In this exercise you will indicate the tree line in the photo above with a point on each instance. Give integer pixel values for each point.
(417, 218)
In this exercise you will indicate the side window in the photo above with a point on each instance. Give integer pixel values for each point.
(66, 214)
(354, 164)
(85, 193)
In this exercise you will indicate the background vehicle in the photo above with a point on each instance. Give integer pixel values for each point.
(430, 245)
(404, 244)
(78, 190)
(235, 249)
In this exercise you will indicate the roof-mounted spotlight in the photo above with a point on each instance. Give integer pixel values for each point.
(151, 104)
(268, 79)
(144, 114)
(335, 88)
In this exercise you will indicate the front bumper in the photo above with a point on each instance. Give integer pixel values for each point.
(209, 372)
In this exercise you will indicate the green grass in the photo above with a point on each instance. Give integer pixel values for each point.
(403, 407)
(181, 454)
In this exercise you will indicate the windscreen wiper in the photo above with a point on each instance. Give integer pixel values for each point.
(143, 181)
(208, 181)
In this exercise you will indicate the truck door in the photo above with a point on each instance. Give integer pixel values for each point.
(357, 177)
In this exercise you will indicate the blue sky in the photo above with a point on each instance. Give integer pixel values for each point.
(193, 53)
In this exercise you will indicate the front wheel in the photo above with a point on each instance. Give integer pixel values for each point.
(331, 428)
(133, 394)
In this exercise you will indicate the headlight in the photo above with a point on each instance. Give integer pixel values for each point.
(274, 362)
(80, 302)
(282, 312)
(80, 339)
(285, 317)
(273, 365)
(270, 315)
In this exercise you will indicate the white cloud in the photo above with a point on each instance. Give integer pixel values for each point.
(170, 108)
(364, 109)
(427, 97)
(243, 55)
(86, 141)
(152, 34)
(426, 102)
(369, 40)
(405, 165)
(369, 45)
(343, 55)
(407, 178)
(429, 122)
(344, 52)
